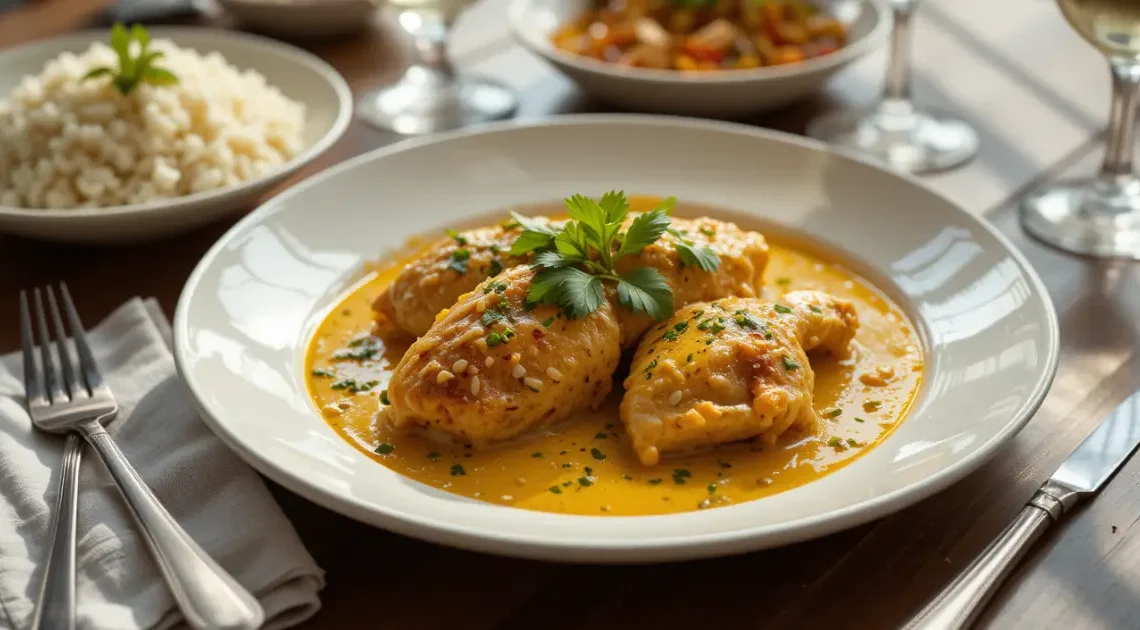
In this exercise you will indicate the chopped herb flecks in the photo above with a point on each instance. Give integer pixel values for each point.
(783, 310)
(384, 448)
(790, 365)
(556, 489)
(456, 236)
(679, 476)
(458, 260)
(457, 470)
(323, 373)
(598, 455)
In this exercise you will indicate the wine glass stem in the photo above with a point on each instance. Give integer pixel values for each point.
(897, 89)
(429, 32)
(1122, 120)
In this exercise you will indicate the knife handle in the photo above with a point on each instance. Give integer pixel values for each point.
(958, 606)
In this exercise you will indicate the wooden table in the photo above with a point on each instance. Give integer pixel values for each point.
(1039, 98)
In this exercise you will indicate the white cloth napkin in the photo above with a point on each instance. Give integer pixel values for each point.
(220, 501)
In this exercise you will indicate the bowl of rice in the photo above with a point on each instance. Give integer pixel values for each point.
(80, 161)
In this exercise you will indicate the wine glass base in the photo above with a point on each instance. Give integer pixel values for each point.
(422, 102)
(1090, 217)
(906, 140)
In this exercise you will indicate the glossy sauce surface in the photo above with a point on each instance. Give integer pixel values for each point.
(585, 465)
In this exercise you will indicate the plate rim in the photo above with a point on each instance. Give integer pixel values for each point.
(300, 56)
(678, 547)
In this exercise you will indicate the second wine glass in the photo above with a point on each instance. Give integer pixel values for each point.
(895, 131)
(430, 97)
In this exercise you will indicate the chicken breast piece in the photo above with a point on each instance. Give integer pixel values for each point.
(436, 278)
(743, 257)
(730, 370)
(489, 369)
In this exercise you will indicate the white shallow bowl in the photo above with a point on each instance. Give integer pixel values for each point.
(248, 311)
(726, 94)
(301, 18)
(298, 74)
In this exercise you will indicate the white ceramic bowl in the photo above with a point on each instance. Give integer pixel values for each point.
(248, 311)
(300, 76)
(727, 94)
(301, 18)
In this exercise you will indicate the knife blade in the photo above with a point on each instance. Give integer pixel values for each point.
(1083, 474)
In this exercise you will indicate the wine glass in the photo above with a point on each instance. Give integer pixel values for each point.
(429, 97)
(895, 131)
(1099, 216)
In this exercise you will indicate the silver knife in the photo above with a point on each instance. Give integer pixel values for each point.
(1080, 476)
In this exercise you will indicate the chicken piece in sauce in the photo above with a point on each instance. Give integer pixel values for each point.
(435, 279)
(743, 257)
(730, 370)
(490, 368)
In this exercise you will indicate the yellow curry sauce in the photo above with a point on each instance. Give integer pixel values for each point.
(586, 465)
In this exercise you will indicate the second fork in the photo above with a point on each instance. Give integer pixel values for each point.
(79, 400)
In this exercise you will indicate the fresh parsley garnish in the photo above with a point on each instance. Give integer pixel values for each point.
(789, 365)
(783, 310)
(574, 262)
(133, 69)
(321, 372)
(692, 255)
(679, 476)
(384, 398)
(458, 260)
(598, 455)
(495, 268)
(492, 316)
(457, 470)
(556, 489)
(384, 448)
(456, 236)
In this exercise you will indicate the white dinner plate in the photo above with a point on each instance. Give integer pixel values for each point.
(248, 310)
(299, 75)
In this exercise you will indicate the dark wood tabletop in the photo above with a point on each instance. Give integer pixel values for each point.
(1085, 574)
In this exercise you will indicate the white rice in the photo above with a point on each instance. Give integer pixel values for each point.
(69, 143)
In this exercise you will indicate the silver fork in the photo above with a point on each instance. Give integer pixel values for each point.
(81, 402)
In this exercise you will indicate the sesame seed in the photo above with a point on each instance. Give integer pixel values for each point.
(475, 386)
(444, 376)
(521, 481)
(459, 366)
(675, 397)
(554, 374)
(518, 372)
(507, 497)
(480, 306)
(515, 358)
(533, 383)
(472, 370)
(489, 362)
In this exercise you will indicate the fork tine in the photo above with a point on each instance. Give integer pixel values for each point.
(86, 359)
(73, 387)
(52, 390)
(32, 383)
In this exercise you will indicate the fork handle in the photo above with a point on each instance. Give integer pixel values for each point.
(55, 609)
(208, 596)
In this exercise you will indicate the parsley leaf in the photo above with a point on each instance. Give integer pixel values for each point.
(458, 260)
(536, 235)
(644, 231)
(692, 255)
(456, 236)
(577, 292)
(644, 290)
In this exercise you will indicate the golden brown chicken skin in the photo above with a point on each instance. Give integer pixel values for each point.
(490, 369)
(729, 370)
(436, 278)
(743, 257)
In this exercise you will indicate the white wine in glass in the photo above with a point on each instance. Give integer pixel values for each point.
(429, 97)
(1099, 216)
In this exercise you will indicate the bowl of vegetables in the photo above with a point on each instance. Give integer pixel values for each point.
(716, 58)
